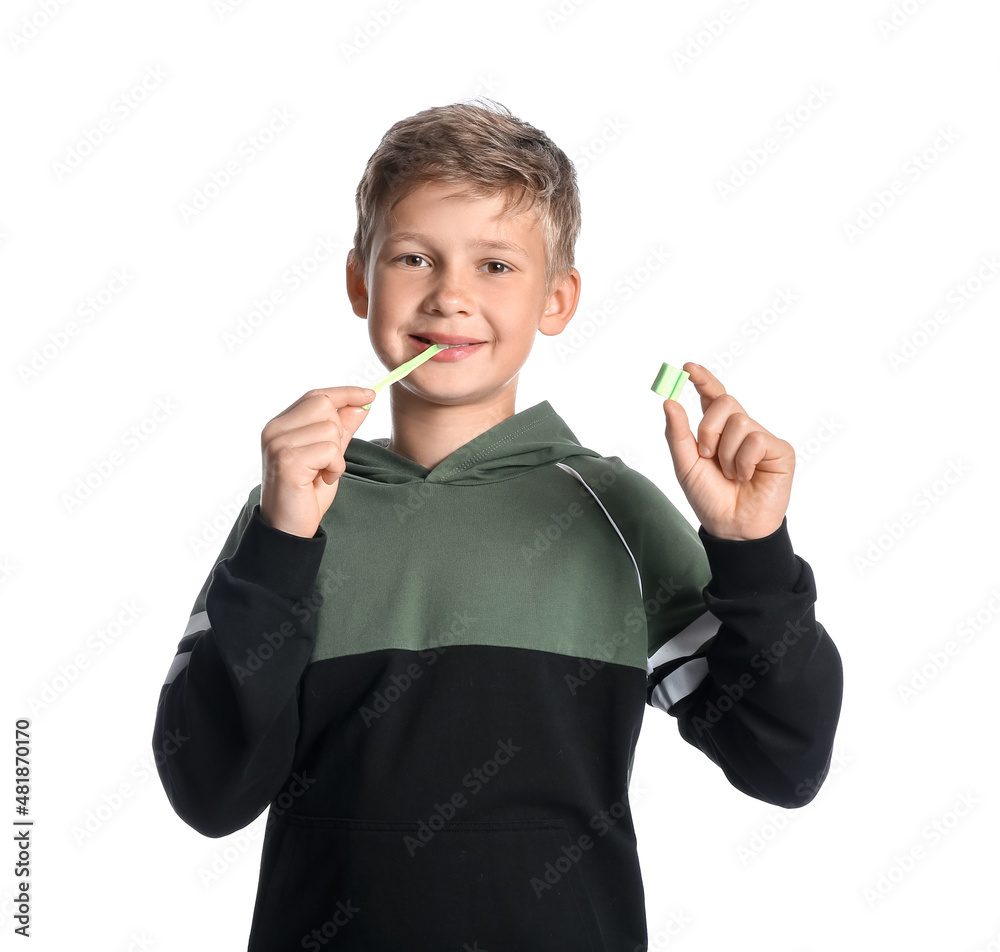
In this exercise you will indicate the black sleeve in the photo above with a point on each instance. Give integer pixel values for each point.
(227, 717)
(768, 708)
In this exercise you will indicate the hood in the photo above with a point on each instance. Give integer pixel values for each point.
(534, 437)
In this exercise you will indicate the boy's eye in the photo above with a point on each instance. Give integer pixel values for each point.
(409, 259)
(489, 265)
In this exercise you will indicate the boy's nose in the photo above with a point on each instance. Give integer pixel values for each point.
(450, 295)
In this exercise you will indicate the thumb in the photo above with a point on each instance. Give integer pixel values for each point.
(680, 439)
(351, 418)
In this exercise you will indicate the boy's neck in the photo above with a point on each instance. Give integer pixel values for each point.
(428, 433)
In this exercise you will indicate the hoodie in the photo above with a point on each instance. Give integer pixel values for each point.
(438, 696)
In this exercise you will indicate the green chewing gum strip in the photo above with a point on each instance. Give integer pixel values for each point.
(670, 382)
(403, 369)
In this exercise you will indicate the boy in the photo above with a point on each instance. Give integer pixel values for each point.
(431, 654)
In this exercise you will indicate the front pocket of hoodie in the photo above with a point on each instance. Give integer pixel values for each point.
(350, 885)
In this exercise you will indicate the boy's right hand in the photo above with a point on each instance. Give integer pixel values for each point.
(302, 453)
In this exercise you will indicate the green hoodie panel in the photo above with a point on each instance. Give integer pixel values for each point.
(525, 563)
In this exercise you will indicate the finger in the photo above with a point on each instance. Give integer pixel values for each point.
(338, 397)
(347, 396)
(715, 420)
(680, 439)
(312, 407)
(310, 460)
(752, 450)
(335, 464)
(737, 429)
(322, 431)
(706, 383)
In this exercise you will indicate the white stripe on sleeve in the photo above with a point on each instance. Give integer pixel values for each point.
(196, 623)
(679, 684)
(687, 642)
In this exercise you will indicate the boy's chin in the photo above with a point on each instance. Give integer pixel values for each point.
(480, 394)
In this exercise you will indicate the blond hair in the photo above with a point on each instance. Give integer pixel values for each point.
(485, 150)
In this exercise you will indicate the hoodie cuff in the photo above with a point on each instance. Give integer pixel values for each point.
(285, 563)
(751, 566)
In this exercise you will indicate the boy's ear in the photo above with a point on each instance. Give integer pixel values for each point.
(563, 299)
(357, 291)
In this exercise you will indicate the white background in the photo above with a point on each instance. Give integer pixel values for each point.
(653, 136)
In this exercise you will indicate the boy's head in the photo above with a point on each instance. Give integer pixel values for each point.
(486, 151)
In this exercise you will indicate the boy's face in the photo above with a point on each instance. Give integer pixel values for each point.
(444, 267)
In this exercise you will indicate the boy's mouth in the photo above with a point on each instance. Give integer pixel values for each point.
(452, 348)
(446, 340)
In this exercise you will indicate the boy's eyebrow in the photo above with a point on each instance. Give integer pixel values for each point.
(498, 244)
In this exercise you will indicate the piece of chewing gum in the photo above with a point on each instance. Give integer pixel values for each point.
(670, 382)
(403, 369)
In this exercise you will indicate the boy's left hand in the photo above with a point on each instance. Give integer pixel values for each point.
(740, 490)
